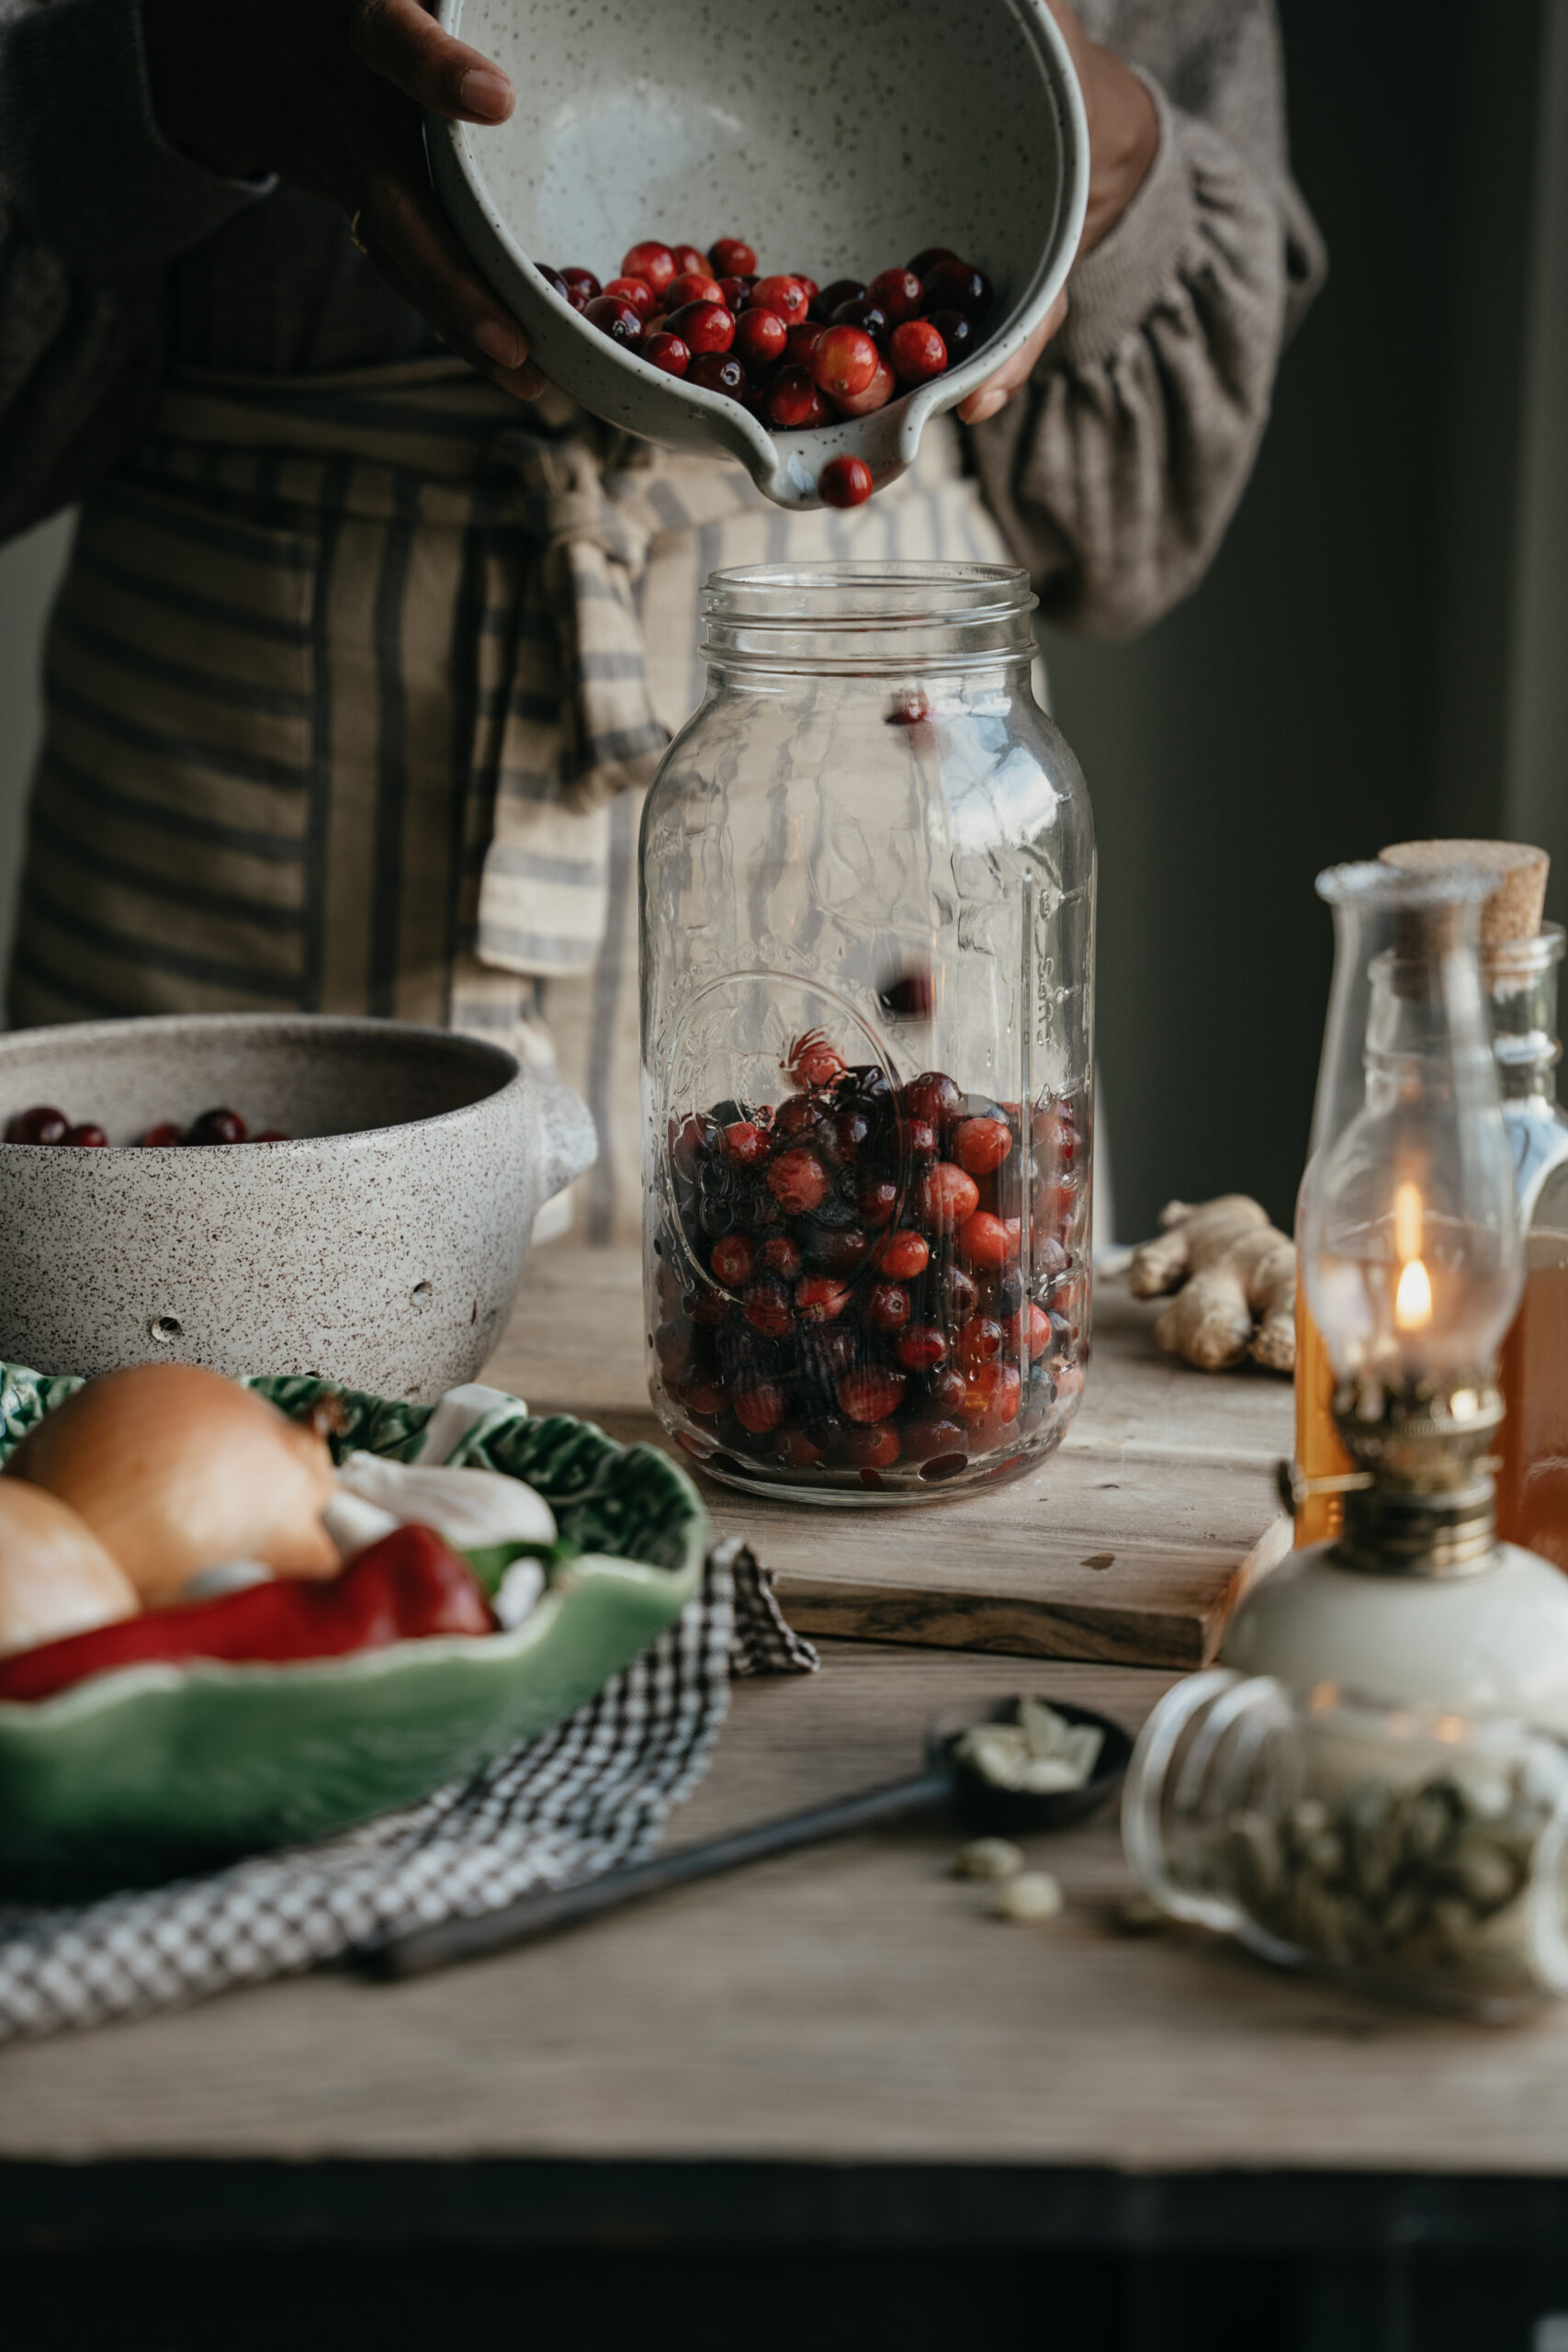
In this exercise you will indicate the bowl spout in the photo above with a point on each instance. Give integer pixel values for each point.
(568, 1143)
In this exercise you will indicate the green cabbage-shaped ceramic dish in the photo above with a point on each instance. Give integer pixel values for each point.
(143, 1774)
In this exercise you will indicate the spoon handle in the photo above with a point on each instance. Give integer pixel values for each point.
(450, 1940)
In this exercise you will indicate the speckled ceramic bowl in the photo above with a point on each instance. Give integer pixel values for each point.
(838, 139)
(382, 1247)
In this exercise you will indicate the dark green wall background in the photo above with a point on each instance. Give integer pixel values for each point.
(1342, 677)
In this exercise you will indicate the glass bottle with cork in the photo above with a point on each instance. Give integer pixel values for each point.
(1519, 959)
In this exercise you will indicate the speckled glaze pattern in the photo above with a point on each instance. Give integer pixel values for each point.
(838, 136)
(382, 1247)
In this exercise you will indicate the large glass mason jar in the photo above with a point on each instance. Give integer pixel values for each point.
(867, 1011)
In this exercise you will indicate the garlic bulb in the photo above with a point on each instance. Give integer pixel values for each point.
(55, 1576)
(174, 1468)
(474, 1510)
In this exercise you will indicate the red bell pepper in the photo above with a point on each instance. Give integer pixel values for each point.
(408, 1586)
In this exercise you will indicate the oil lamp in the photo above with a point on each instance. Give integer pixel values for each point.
(1413, 1264)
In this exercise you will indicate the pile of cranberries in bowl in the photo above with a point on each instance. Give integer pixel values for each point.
(44, 1124)
(869, 1285)
(795, 353)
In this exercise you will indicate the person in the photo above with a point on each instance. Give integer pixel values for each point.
(369, 642)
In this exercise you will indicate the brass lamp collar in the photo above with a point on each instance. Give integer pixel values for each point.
(1421, 1503)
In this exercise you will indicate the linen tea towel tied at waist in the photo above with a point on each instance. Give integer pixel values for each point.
(562, 718)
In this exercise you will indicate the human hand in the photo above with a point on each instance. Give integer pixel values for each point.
(1124, 133)
(328, 94)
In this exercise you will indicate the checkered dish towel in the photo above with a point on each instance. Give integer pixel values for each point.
(592, 1795)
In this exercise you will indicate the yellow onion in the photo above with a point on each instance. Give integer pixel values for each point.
(55, 1576)
(174, 1468)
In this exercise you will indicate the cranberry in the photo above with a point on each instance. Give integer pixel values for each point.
(842, 289)
(787, 295)
(87, 1136)
(820, 1299)
(42, 1124)
(871, 1448)
(667, 352)
(733, 1260)
(813, 291)
(795, 404)
(719, 371)
(708, 1306)
(690, 1142)
(933, 1096)
(1006, 1291)
(946, 1198)
(217, 1127)
(653, 263)
(842, 362)
(687, 287)
(825, 1352)
(766, 1307)
(701, 1392)
(1051, 1262)
(991, 1393)
(953, 286)
(946, 1390)
(921, 1347)
(760, 339)
(919, 1139)
(959, 1292)
(617, 320)
(273, 1135)
(979, 1341)
(988, 1242)
(811, 1061)
(798, 1114)
(1054, 1207)
(926, 260)
(839, 1251)
(1034, 1332)
(760, 1404)
(797, 1180)
(733, 291)
(744, 1144)
(877, 393)
(557, 284)
(800, 343)
(704, 326)
(844, 481)
(917, 351)
(582, 282)
(904, 1255)
(692, 262)
(876, 1200)
(732, 256)
(980, 1145)
(898, 293)
(673, 1346)
(636, 292)
(798, 1449)
(778, 1255)
(934, 1439)
(165, 1133)
(887, 1307)
(861, 311)
(843, 1134)
(1055, 1137)
(870, 1392)
(910, 997)
(958, 335)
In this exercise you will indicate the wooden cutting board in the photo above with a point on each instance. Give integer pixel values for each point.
(1132, 1544)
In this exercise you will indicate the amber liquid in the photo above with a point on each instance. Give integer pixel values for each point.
(1319, 1454)
(1532, 1483)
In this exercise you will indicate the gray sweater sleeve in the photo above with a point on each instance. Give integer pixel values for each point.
(93, 206)
(1116, 470)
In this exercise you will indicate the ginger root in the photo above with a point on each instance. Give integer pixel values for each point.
(1235, 1278)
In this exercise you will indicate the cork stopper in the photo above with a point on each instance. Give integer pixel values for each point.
(1513, 909)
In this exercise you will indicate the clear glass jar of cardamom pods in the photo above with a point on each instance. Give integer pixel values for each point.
(1417, 1854)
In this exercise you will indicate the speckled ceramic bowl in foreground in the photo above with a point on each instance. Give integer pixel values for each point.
(382, 1246)
(838, 139)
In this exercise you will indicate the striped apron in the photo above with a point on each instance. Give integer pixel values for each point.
(352, 691)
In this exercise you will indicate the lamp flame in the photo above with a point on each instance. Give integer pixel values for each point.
(1413, 1299)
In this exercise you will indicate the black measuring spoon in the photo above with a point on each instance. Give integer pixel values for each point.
(947, 1781)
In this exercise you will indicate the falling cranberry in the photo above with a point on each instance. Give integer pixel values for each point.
(910, 997)
(653, 263)
(42, 1124)
(917, 351)
(719, 371)
(870, 1392)
(871, 1448)
(953, 286)
(733, 1260)
(946, 1199)
(958, 335)
(844, 481)
(795, 404)
(702, 326)
(897, 291)
(904, 1255)
(617, 320)
(582, 282)
(797, 1180)
(87, 1138)
(820, 1299)
(980, 1145)
(165, 1133)
(217, 1127)
(732, 257)
(668, 352)
(877, 393)
(787, 295)
(842, 362)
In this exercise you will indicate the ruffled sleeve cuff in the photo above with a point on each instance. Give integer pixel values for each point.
(1113, 290)
(85, 162)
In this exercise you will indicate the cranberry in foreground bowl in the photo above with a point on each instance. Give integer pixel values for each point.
(867, 1172)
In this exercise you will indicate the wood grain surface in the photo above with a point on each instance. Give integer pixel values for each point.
(1132, 1544)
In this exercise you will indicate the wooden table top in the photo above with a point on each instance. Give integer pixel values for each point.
(839, 2017)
